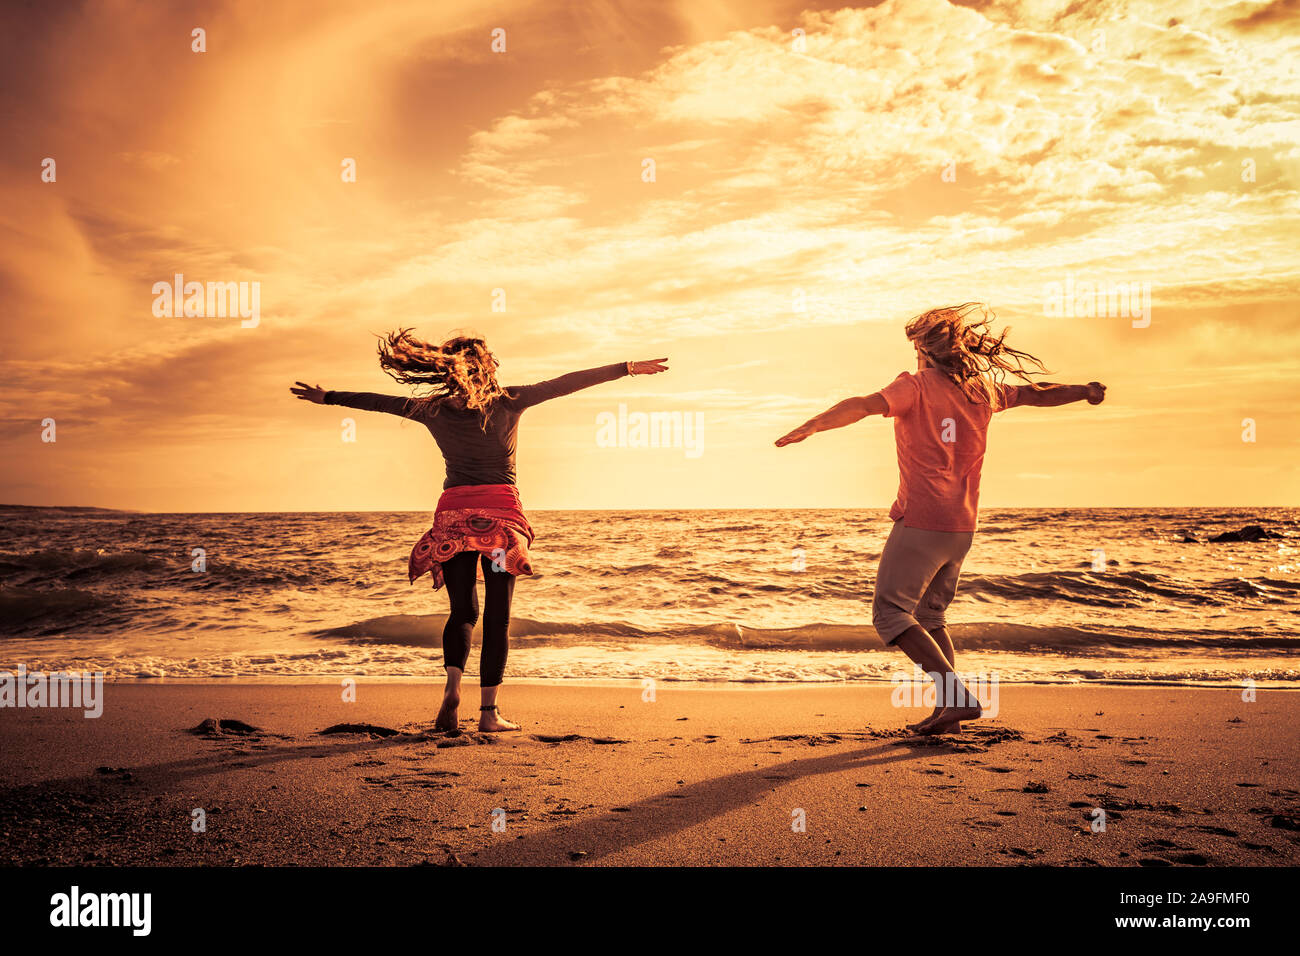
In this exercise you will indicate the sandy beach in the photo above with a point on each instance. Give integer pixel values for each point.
(701, 775)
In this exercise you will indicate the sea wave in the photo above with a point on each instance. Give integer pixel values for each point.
(1118, 589)
(74, 562)
(45, 611)
(140, 569)
(294, 594)
(425, 630)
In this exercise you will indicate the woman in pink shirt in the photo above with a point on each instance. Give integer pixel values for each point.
(941, 416)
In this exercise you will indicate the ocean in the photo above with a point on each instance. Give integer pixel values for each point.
(1047, 595)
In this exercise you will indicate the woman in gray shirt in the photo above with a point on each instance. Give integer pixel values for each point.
(479, 519)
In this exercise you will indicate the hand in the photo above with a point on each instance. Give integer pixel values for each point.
(798, 435)
(309, 393)
(1096, 393)
(648, 367)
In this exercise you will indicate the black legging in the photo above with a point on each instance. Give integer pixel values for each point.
(460, 576)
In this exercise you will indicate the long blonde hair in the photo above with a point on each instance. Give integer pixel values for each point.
(958, 341)
(461, 369)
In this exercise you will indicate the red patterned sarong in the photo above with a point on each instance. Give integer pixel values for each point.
(488, 519)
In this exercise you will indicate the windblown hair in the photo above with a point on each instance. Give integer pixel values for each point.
(958, 340)
(460, 370)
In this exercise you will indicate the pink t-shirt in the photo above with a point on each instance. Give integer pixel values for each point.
(940, 435)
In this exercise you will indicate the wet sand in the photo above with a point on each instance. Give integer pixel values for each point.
(701, 775)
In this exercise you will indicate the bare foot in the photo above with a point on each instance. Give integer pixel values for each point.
(449, 714)
(921, 723)
(948, 721)
(491, 722)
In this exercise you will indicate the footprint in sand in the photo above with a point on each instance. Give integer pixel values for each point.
(370, 730)
(1021, 852)
(1169, 859)
(419, 781)
(1109, 804)
(1089, 815)
(1217, 831)
(1158, 844)
(570, 738)
(119, 773)
(812, 740)
(226, 726)
(1062, 738)
(465, 740)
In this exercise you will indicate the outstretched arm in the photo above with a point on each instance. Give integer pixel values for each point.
(1050, 394)
(528, 395)
(837, 416)
(365, 401)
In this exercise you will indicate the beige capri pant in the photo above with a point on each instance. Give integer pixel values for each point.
(917, 579)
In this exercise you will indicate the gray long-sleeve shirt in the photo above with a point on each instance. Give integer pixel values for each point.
(474, 454)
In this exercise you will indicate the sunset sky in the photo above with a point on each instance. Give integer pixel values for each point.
(799, 214)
